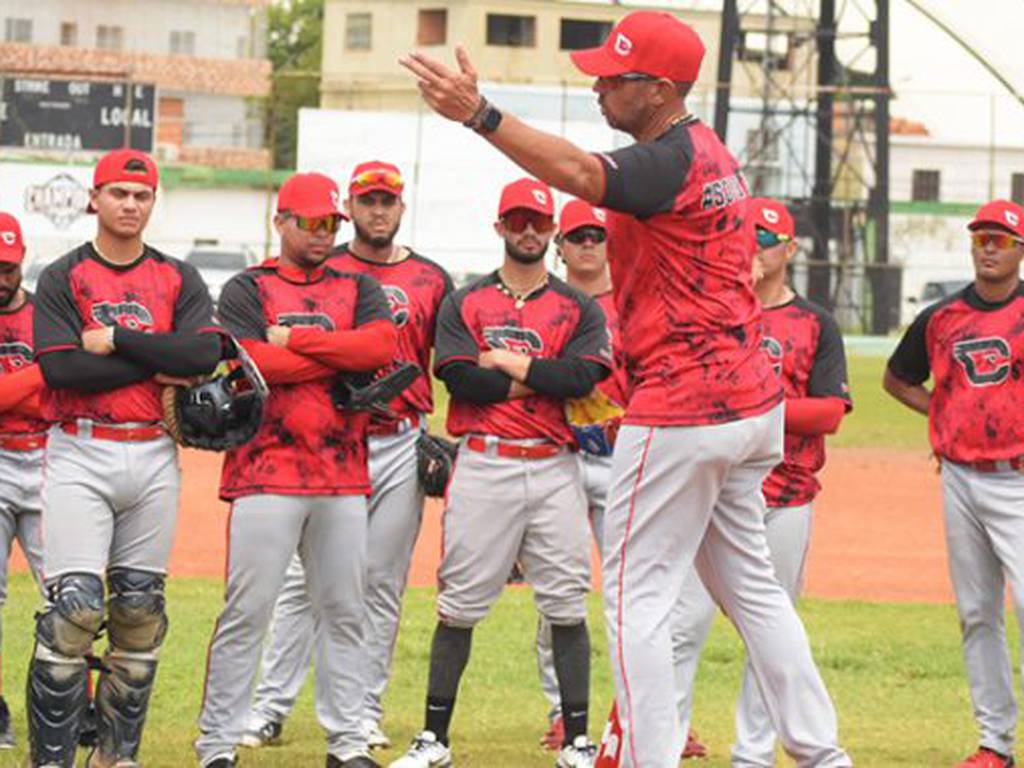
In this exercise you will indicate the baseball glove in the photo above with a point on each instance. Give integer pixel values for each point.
(435, 460)
(373, 392)
(594, 421)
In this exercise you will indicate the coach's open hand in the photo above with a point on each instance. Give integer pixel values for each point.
(451, 94)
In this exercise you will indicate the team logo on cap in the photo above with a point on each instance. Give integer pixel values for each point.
(772, 217)
(334, 198)
(9, 238)
(540, 196)
(1012, 217)
(623, 45)
(600, 215)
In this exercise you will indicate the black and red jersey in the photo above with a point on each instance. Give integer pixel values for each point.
(553, 322)
(15, 354)
(415, 288)
(305, 445)
(81, 291)
(681, 259)
(616, 386)
(974, 352)
(805, 349)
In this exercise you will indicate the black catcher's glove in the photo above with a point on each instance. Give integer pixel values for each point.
(435, 459)
(373, 392)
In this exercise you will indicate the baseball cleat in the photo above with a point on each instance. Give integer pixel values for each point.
(987, 758)
(554, 737)
(425, 752)
(267, 735)
(580, 754)
(693, 747)
(375, 737)
(358, 760)
(6, 731)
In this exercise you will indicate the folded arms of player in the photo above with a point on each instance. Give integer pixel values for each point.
(812, 416)
(19, 391)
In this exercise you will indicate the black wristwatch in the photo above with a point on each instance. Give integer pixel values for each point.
(486, 119)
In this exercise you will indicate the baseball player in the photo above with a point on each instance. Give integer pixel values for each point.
(511, 348)
(300, 484)
(972, 346)
(805, 350)
(114, 319)
(414, 287)
(22, 430)
(704, 422)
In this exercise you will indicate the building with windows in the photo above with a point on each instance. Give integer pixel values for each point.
(206, 59)
(510, 41)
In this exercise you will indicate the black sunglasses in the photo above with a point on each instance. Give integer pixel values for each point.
(581, 235)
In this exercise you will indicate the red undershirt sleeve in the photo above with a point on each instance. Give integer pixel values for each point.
(19, 389)
(811, 416)
(365, 348)
(281, 366)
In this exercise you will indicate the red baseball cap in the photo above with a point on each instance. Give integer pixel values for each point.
(771, 215)
(650, 42)
(580, 213)
(12, 246)
(1000, 213)
(125, 165)
(527, 193)
(375, 176)
(309, 194)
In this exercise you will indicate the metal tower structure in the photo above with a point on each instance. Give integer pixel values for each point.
(804, 86)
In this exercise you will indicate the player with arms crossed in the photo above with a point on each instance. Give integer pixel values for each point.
(703, 425)
(972, 346)
(301, 484)
(805, 349)
(415, 287)
(114, 320)
(511, 348)
(22, 430)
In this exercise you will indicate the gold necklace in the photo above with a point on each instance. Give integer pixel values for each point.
(521, 295)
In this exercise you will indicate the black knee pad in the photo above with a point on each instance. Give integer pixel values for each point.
(75, 614)
(136, 605)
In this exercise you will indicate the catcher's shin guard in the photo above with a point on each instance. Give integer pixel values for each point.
(57, 692)
(122, 701)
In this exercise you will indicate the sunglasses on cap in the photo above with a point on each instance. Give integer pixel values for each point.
(518, 219)
(766, 239)
(581, 235)
(1002, 241)
(331, 223)
(378, 178)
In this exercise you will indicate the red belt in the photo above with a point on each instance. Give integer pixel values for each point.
(1016, 464)
(393, 427)
(23, 442)
(118, 434)
(514, 450)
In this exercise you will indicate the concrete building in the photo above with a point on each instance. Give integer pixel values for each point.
(205, 57)
(510, 41)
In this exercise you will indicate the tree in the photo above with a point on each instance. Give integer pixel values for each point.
(294, 45)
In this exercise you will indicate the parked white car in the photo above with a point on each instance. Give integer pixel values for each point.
(218, 264)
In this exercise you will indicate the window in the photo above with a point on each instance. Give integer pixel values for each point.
(183, 42)
(925, 185)
(358, 31)
(1017, 188)
(579, 33)
(68, 33)
(514, 31)
(432, 27)
(17, 30)
(109, 37)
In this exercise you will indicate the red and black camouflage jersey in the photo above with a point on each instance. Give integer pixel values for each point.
(415, 288)
(681, 258)
(15, 354)
(554, 322)
(616, 386)
(81, 291)
(305, 445)
(974, 352)
(805, 349)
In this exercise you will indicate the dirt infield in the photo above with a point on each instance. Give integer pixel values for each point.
(877, 529)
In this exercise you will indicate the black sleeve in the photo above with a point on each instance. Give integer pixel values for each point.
(176, 354)
(910, 362)
(240, 310)
(193, 312)
(57, 323)
(452, 339)
(372, 303)
(828, 371)
(470, 383)
(564, 377)
(591, 340)
(644, 179)
(85, 372)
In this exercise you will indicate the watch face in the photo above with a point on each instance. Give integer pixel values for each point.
(492, 119)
